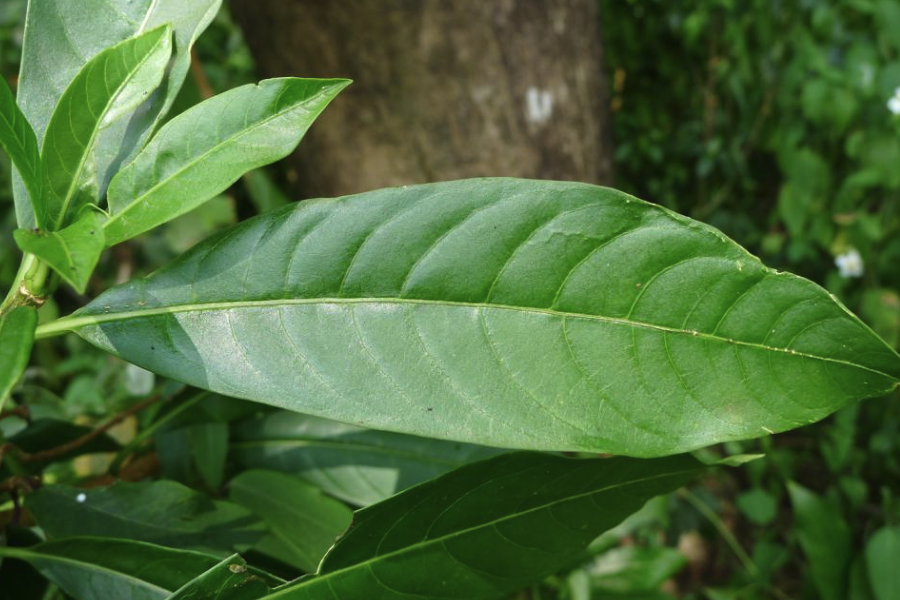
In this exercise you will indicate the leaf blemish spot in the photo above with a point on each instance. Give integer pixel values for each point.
(235, 568)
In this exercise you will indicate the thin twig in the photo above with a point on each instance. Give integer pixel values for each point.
(723, 530)
(19, 411)
(64, 449)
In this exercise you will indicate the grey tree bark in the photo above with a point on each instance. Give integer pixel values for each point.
(443, 89)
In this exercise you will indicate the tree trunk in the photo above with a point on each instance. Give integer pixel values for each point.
(443, 89)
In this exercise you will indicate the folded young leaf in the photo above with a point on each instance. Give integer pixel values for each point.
(488, 528)
(520, 314)
(113, 82)
(16, 338)
(73, 252)
(61, 36)
(19, 141)
(230, 579)
(160, 512)
(303, 522)
(360, 466)
(201, 152)
(96, 568)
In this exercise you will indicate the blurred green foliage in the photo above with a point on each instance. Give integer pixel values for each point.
(774, 121)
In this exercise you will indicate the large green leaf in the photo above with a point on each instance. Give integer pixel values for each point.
(94, 568)
(109, 85)
(61, 36)
(228, 580)
(16, 338)
(487, 528)
(521, 314)
(201, 152)
(303, 522)
(160, 512)
(19, 141)
(826, 540)
(361, 466)
(72, 252)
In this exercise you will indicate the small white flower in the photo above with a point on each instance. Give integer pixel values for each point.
(80, 497)
(893, 102)
(850, 263)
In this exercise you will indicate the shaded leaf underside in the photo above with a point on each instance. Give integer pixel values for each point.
(513, 313)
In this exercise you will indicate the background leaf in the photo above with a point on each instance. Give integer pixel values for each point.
(826, 540)
(882, 556)
(361, 466)
(514, 313)
(201, 152)
(20, 143)
(303, 522)
(161, 512)
(94, 568)
(209, 446)
(487, 528)
(72, 252)
(115, 80)
(16, 338)
(62, 36)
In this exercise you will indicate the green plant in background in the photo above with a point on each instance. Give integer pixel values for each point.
(436, 325)
(778, 125)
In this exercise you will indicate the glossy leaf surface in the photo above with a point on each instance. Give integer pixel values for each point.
(488, 528)
(62, 36)
(116, 80)
(361, 466)
(303, 522)
(227, 580)
(160, 512)
(20, 143)
(520, 314)
(72, 252)
(16, 338)
(93, 568)
(201, 152)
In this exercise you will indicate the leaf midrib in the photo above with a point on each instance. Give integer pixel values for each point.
(491, 523)
(74, 322)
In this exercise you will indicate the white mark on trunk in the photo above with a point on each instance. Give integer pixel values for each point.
(538, 105)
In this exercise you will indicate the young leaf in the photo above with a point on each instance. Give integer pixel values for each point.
(201, 152)
(488, 528)
(162, 512)
(113, 82)
(632, 569)
(826, 540)
(16, 338)
(19, 141)
(228, 580)
(303, 522)
(72, 252)
(94, 568)
(61, 36)
(520, 314)
(360, 466)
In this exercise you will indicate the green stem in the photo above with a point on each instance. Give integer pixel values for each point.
(30, 287)
(723, 530)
